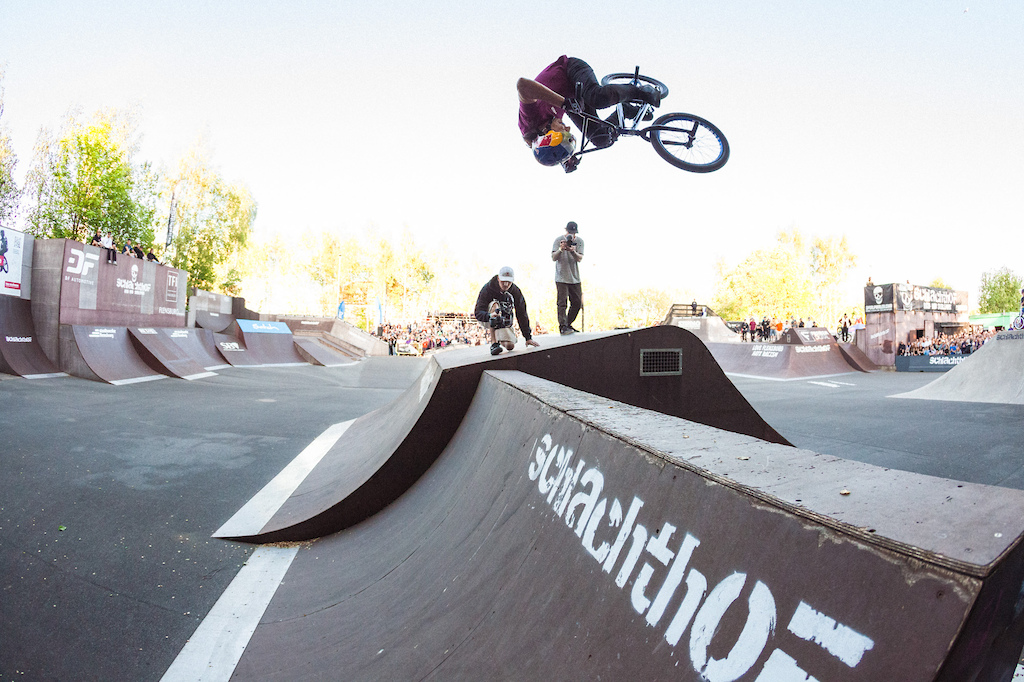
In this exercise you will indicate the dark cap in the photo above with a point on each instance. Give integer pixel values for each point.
(571, 227)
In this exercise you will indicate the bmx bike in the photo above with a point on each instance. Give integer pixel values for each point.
(686, 141)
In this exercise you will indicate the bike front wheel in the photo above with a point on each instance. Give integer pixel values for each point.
(689, 142)
(633, 79)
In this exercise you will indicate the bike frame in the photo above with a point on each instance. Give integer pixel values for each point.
(620, 127)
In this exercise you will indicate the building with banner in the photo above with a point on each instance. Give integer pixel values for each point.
(901, 313)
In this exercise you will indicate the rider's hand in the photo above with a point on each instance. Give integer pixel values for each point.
(531, 342)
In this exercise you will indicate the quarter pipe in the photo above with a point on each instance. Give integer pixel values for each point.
(20, 352)
(800, 354)
(161, 353)
(383, 453)
(566, 536)
(271, 343)
(104, 353)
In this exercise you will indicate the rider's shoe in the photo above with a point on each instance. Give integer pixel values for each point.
(495, 348)
(650, 94)
(630, 110)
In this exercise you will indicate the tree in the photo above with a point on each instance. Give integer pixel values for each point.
(83, 179)
(831, 262)
(999, 291)
(643, 307)
(10, 195)
(776, 282)
(212, 220)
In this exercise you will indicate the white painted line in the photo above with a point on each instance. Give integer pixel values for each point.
(218, 643)
(257, 512)
(200, 375)
(137, 380)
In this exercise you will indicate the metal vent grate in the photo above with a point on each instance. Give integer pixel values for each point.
(659, 362)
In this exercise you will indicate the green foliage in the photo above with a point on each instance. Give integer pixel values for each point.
(10, 194)
(212, 220)
(775, 282)
(83, 179)
(999, 291)
(831, 261)
(797, 278)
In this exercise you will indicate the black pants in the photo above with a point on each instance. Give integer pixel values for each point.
(596, 96)
(573, 293)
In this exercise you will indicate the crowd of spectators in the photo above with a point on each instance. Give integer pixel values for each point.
(961, 343)
(436, 333)
(769, 329)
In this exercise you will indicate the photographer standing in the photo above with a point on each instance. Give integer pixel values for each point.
(498, 304)
(567, 252)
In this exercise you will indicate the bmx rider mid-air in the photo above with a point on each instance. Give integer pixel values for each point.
(544, 100)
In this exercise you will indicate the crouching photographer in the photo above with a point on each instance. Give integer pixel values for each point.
(499, 304)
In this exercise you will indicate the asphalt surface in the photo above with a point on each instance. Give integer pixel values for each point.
(110, 493)
(109, 496)
(852, 416)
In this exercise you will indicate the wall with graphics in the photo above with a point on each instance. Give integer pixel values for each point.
(74, 285)
(898, 313)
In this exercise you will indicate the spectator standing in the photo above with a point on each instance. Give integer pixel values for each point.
(567, 252)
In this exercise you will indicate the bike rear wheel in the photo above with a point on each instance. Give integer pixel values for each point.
(633, 79)
(689, 142)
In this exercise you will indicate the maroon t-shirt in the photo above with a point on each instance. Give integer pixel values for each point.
(535, 115)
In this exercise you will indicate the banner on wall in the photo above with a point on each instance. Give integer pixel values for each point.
(132, 292)
(885, 298)
(12, 248)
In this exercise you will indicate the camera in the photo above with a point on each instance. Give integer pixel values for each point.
(570, 241)
(501, 314)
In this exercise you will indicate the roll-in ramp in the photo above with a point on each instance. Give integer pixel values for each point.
(560, 535)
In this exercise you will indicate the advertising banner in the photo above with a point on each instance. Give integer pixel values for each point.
(263, 327)
(12, 246)
(928, 363)
(132, 292)
(884, 298)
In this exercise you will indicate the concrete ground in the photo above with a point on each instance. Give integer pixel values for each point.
(109, 495)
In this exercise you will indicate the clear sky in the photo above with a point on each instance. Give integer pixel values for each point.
(898, 124)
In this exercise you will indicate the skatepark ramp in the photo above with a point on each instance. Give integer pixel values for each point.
(383, 453)
(103, 354)
(992, 374)
(20, 352)
(802, 353)
(699, 320)
(316, 352)
(270, 343)
(563, 535)
(161, 351)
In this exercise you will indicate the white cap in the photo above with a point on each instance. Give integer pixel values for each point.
(506, 274)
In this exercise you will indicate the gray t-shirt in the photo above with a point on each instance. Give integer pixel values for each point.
(567, 269)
